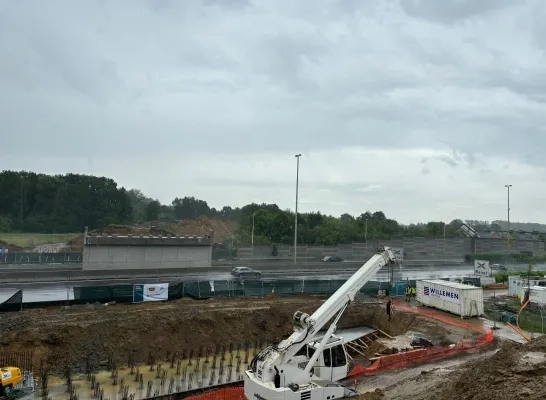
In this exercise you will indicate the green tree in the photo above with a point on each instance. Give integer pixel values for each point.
(61, 203)
(65, 203)
(190, 207)
(152, 210)
(5, 223)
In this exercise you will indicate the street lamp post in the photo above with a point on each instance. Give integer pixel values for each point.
(296, 213)
(508, 187)
(253, 214)
(366, 234)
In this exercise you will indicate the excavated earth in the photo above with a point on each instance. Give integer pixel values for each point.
(89, 335)
(63, 336)
(504, 371)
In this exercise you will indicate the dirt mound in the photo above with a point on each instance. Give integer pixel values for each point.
(123, 230)
(223, 229)
(377, 394)
(10, 247)
(504, 376)
(539, 344)
(75, 245)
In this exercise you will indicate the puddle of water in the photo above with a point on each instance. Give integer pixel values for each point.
(141, 382)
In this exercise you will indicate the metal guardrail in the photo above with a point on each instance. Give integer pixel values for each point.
(77, 258)
(40, 258)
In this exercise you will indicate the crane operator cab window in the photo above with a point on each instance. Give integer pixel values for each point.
(334, 357)
(334, 364)
(331, 364)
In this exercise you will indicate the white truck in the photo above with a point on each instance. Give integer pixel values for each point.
(302, 367)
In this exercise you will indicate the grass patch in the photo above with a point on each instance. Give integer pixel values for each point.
(503, 276)
(532, 321)
(36, 239)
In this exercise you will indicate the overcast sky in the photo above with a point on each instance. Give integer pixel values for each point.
(422, 109)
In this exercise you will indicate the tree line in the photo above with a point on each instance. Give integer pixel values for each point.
(40, 203)
(31, 202)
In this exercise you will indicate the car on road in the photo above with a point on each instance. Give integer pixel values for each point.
(245, 271)
(499, 268)
(332, 259)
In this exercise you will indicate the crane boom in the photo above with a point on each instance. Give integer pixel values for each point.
(266, 366)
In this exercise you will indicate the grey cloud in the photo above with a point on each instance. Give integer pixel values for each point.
(228, 4)
(453, 11)
(448, 160)
(241, 76)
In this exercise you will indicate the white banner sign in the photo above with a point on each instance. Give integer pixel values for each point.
(482, 268)
(148, 292)
(398, 253)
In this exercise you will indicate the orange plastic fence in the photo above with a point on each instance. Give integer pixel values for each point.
(410, 357)
(230, 393)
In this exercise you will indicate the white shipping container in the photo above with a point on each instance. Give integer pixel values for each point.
(463, 300)
(517, 283)
(487, 280)
(513, 288)
(537, 294)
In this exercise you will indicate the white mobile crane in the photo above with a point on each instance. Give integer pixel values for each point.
(302, 367)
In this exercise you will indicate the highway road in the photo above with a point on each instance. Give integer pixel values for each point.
(39, 291)
(399, 273)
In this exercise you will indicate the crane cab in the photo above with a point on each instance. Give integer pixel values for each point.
(10, 377)
(332, 364)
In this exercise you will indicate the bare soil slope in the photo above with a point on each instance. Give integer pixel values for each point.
(10, 247)
(116, 331)
(223, 230)
(514, 372)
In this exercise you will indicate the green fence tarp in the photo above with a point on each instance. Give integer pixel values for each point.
(92, 294)
(12, 302)
(236, 288)
(122, 293)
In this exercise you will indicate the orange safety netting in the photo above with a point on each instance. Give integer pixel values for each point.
(401, 360)
(229, 393)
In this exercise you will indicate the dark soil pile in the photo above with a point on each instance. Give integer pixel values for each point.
(90, 334)
(507, 375)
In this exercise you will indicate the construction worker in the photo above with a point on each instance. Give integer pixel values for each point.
(389, 307)
(413, 292)
(408, 293)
